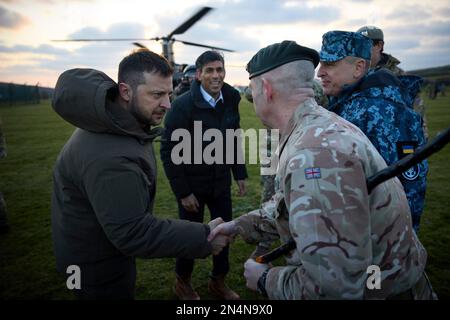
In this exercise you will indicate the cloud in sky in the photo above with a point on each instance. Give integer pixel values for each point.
(10, 19)
(42, 49)
(410, 13)
(251, 12)
(415, 32)
(116, 30)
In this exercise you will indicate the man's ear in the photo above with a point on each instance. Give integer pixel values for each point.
(267, 89)
(380, 46)
(197, 74)
(360, 69)
(125, 91)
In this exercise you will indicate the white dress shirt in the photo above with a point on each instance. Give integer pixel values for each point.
(211, 101)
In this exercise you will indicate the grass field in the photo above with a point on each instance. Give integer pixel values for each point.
(35, 135)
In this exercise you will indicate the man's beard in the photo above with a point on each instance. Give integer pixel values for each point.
(134, 109)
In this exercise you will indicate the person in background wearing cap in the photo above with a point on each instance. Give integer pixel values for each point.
(380, 59)
(321, 198)
(215, 104)
(376, 104)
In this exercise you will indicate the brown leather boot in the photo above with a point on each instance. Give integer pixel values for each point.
(183, 288)
(218, 289)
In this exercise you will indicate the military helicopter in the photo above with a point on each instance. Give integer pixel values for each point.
(166, 41)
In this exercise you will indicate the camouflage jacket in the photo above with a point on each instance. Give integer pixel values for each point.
(391, 63)
(379, 107)
(412, 83)
(321, 202)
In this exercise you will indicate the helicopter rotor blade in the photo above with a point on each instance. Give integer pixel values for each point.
(189, 22)
(203, 45)
(94, 40)
(137, 44)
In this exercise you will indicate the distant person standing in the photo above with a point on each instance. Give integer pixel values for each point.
(4, 226)
(432, 90)
(441, 89)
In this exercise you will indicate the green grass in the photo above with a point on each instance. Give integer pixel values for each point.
(35, 135)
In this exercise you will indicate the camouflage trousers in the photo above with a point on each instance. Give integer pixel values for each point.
(267, 187)
(267, 192)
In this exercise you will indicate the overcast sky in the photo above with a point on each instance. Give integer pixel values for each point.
(416, 32)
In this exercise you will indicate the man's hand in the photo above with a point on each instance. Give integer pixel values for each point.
(190, 203)
(214, 223)
(220, 241)
(227, 229)
(242, 190)
(253, 270)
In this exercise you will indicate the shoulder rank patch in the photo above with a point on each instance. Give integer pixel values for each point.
(312, 173)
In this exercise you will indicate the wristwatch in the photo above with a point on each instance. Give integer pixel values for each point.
(262, 283)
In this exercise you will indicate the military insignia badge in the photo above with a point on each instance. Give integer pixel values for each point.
(312, 173)
(405, 148)
(412, 173)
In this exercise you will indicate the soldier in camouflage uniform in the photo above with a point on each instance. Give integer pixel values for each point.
(321, 198)
(267, 181)
(319, 96)
(377, 104)
(380, 59)
(4, 227)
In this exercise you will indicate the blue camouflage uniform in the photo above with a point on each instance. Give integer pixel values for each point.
(381, 107)
(413, 85)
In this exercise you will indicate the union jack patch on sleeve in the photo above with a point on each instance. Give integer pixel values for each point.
(312, 173)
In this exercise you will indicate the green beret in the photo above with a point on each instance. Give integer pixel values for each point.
(277, 54)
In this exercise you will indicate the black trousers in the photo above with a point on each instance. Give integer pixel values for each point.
(219, 206)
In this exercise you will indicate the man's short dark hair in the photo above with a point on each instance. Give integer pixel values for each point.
(207, 57)
(133, 66)
(375, 42)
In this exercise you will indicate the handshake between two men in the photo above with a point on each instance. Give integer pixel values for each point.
(222, 233)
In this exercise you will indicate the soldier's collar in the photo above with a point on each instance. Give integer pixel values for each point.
(305, 108)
